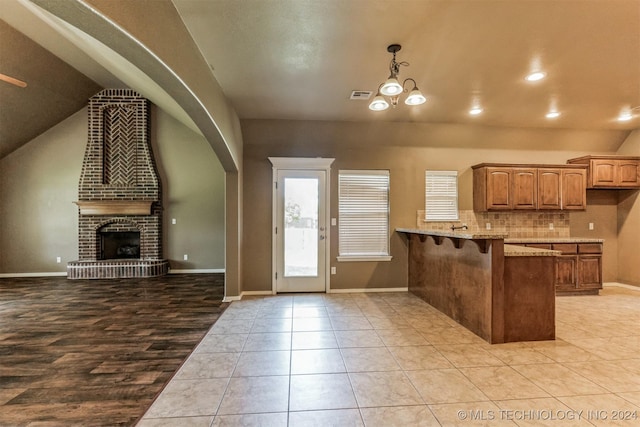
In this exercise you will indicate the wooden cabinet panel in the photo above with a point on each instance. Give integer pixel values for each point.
(539, 245)
(574, 189)
(590, 248)
(566, 267)
(524, 188)
(549, 192)
(603, 173)
(628, 173)
(498, 185)
(565, 248)
(589, 272)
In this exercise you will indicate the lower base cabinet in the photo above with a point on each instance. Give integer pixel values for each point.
(589, 272)
(578, 269)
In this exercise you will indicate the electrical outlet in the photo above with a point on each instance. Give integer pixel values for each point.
(173, 221)
(186, 257)
(590, 226)
(550, 226)
(488, 226)
(58, 259)
(333, 270)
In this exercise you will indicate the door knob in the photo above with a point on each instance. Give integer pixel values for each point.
(321, 237)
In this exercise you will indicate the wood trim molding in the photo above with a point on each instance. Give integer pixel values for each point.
(115, 207)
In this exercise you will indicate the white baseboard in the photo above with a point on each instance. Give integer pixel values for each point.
(47, 274)
(362, 290)
(255, 293)
(620, 285)
(196, 271)
(246, 293)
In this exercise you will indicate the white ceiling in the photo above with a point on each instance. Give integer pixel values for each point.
(300, 59)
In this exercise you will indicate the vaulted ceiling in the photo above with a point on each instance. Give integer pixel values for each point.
(301, 59)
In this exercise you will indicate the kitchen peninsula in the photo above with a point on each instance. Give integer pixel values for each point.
(502, 293)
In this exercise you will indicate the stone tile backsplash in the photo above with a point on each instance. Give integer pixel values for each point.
(515, 224)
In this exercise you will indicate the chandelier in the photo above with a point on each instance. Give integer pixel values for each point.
(392, 87)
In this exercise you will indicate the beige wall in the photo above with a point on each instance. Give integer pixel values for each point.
(602, 207)
(193, 192)
(406, 149)
(629, 221)
(39, 182)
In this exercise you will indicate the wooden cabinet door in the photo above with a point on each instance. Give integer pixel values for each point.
(589, 272)
(628, 173)
(549, 188)
(603, 173)
(574, 189)
(524, 192)
(566, 272)
(498, 189)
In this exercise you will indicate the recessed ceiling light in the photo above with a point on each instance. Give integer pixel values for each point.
(553, 114)
(535, 76)
(475, 111)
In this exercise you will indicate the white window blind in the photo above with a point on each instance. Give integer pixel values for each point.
(441, 196)
(363, 205)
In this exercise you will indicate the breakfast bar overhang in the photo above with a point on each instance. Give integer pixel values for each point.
(502, 293)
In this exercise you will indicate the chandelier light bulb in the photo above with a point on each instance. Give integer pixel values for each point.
(415, 97)
(391, 87)
(536, 76)
(553, 114)
(625, 116)
(474, 111)
(378, 103)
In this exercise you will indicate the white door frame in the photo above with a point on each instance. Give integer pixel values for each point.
(299, 163)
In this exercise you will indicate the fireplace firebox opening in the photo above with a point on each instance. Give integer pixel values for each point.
(119, 245)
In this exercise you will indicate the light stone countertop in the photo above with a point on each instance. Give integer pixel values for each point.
(514, 250)
(460, 234)
(552, 240)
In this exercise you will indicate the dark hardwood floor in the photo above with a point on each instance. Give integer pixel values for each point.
(97, 352)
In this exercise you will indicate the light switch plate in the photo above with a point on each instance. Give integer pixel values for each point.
(590, 226)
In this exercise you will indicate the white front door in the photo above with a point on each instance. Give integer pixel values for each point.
(301, 231)
(300, 245)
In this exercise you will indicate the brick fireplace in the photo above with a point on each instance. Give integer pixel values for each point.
(119, 195)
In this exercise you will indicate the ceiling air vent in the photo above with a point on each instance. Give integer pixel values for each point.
(361, 94)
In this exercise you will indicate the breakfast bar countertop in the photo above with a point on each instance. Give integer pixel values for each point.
(515, 250)
(460, 234)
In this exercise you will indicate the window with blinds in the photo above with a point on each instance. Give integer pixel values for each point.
(441, 196)
(363, 206)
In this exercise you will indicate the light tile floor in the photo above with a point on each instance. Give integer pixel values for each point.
(392, 360)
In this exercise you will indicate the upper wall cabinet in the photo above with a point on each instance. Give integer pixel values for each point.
(611, 171)
(505, 187)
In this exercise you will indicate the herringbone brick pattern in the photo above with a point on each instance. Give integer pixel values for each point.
(120, 145)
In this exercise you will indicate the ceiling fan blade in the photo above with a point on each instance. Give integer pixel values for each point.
(13, 81)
